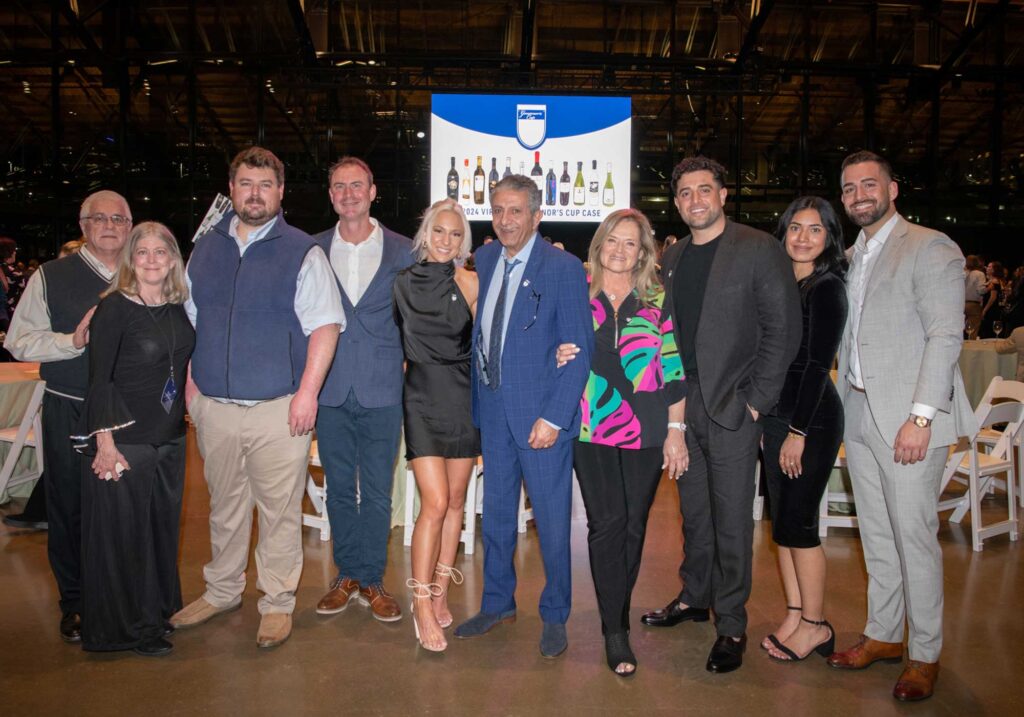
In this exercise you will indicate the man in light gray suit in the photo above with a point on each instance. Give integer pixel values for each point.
(905, 404)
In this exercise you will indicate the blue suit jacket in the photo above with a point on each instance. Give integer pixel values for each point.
(551, 307)
(369, 356)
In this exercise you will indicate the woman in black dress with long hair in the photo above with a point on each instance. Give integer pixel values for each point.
(803, 433)
(435, 302)
(140, 342)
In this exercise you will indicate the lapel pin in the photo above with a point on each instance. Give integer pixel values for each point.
(526, 282)
(454, 298)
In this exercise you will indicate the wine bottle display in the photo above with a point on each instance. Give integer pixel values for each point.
(579, 190)
(453, 182)
(508, 168)
(563, 185)
(551, 195)
(480, 181)
(593, 185)
(537, 174)
(608, 195)
(522, 169)
(465, 180)
(492, 178)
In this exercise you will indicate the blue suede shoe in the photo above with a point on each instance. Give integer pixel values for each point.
(482, 623)
(553, 640)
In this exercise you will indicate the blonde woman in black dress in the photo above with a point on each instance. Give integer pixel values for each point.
(435, 302)
(140, 342)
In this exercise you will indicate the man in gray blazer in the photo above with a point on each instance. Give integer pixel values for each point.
(737, 318)
(905, 404)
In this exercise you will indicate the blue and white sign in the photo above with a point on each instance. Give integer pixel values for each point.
(576, 149)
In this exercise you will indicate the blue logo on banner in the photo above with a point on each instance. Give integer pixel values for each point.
(531, 125)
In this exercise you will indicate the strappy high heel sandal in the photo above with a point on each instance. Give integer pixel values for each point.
(424, 591)
(455, 576)
(771, 639)
(824, 649)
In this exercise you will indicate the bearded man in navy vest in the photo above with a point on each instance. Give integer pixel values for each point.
(51, 325)
(360, 417)
(267, 315)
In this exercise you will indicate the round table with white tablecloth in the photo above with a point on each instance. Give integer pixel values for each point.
(979, 364)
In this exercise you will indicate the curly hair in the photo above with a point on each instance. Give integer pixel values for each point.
(698, 164)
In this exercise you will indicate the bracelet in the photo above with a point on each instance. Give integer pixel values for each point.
(794, 434)
(678, 425)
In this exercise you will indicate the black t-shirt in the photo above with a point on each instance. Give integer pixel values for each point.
(688, 286)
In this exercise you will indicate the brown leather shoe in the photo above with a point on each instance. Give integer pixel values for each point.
(337, 598)
(917, 681)
(385, 607)
(275, 628)
(865, 653)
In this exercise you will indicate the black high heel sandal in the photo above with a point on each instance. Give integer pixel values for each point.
(824, 649)
(772, 638)
(617, 652)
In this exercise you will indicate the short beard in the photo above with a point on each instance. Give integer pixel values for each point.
(253, 216)
(866, 220)
(711, 218)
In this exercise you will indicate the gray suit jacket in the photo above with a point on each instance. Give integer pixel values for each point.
(750, 323)
(910, 335)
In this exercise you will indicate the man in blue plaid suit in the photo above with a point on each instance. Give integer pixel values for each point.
(533, 297)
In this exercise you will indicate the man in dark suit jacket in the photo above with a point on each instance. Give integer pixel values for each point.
(533, 297)
(360, 418)
(738, 323)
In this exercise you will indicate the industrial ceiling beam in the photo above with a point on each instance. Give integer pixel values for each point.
(750, 41)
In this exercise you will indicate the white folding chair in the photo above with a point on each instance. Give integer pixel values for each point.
(826, 519)
(27, 434)
(1001, 389)
(318, 497)
(979, 468)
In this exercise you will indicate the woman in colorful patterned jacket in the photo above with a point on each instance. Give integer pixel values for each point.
(632, 409)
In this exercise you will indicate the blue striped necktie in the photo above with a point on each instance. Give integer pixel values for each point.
(498, 329)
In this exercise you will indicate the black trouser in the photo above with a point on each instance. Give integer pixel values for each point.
(716, 497)
(618, 486)
(35, 506)
(130, 583)
(63, 497)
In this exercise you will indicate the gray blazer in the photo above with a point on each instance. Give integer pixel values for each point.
(911, 332)
(750, 323)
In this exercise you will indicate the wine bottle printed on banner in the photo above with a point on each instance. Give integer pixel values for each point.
(508, 168)
(593, 185)
(551, 195)
(453, 182)
(522, 169)
(537, 174)
(479, 181)
(608, 195)
(579, 189)
(563, 185)
(465, 180)
(492, 178)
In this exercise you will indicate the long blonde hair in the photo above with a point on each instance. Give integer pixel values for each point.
(645, 273)
(419, 244)
(175, 290)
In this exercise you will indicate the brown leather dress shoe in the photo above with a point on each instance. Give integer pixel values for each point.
(917, 681)
(337, 598)
(865, 653)
(384, 606)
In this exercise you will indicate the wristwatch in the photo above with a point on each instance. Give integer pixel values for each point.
(678, 425)
(920, 421)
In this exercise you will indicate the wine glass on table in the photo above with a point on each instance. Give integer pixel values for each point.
(997, 328)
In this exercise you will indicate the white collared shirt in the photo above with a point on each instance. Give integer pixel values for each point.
(357, 264)
(31, 337)
(866, 253)
(317, 301)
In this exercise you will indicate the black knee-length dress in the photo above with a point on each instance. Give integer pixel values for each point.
(437, 336)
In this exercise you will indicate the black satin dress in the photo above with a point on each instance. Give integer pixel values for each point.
(437, 335)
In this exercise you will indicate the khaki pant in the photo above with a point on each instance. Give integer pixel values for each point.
(251, 460)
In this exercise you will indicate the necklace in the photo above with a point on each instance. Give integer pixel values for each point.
(170, 390)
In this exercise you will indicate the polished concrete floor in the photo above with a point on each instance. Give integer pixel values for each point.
(352, 665)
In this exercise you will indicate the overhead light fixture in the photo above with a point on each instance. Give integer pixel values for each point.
(421, 134)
